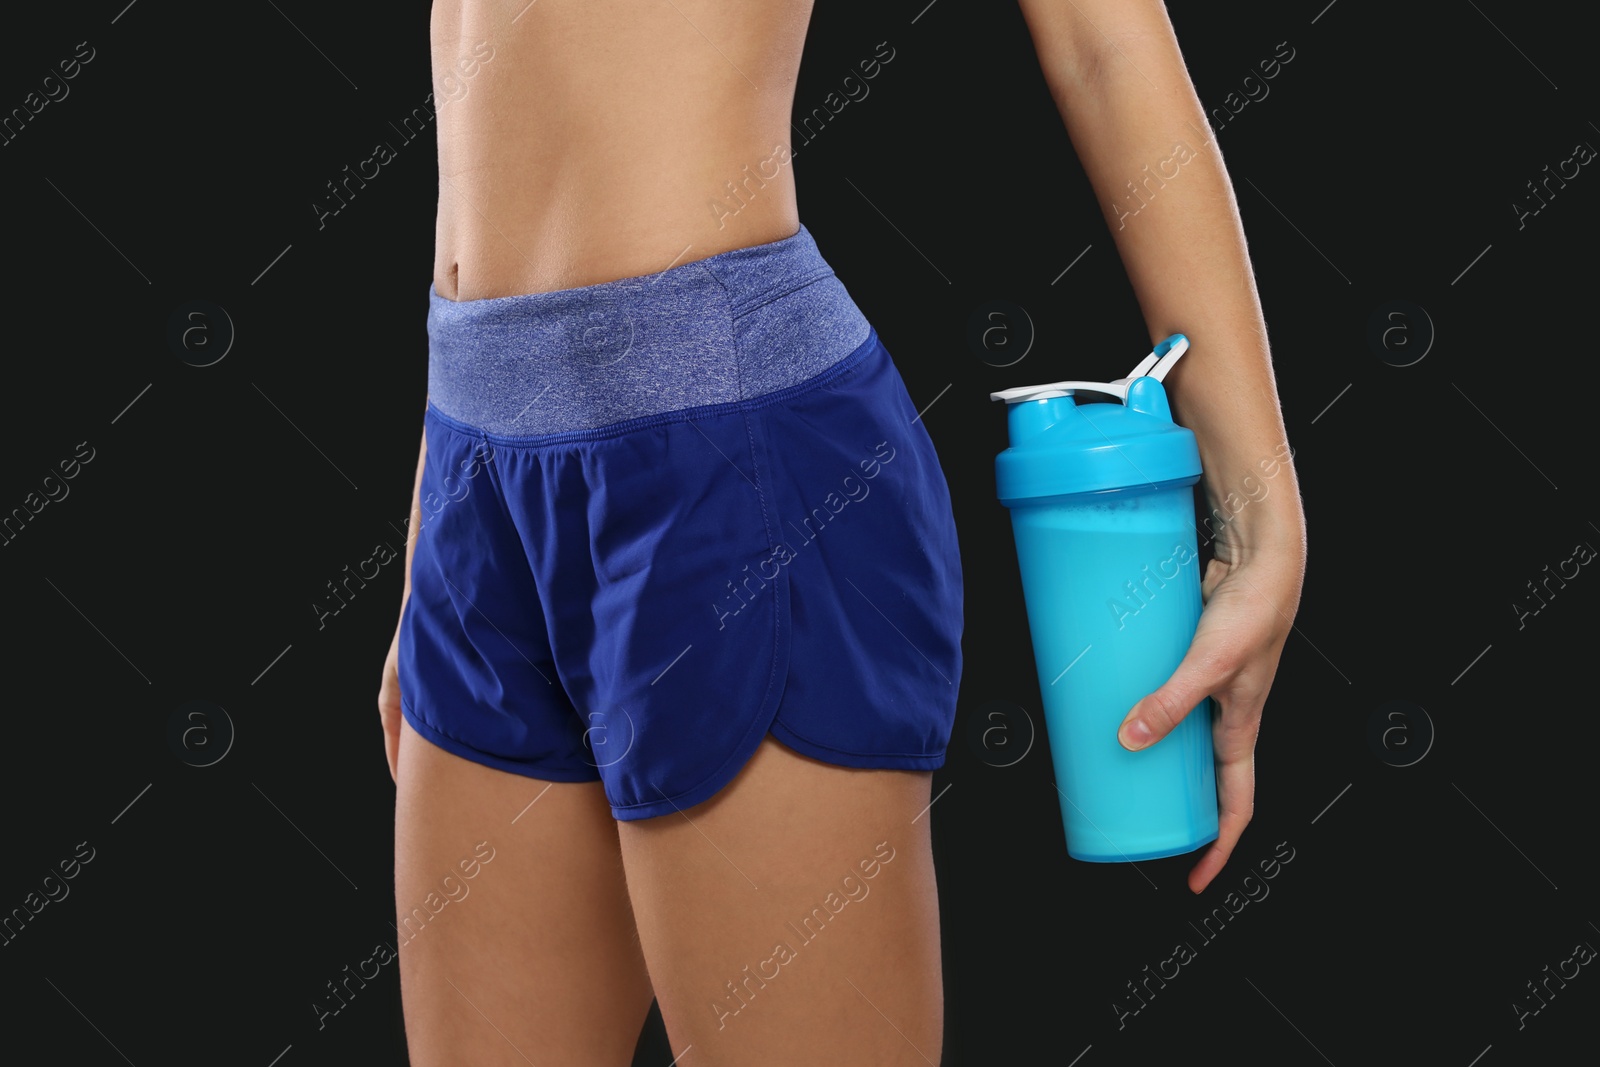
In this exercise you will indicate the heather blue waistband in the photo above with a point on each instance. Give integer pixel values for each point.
(732, 326)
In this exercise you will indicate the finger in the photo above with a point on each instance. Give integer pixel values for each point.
(1204, 670)
(389, 716)
(1236, 787)
(391, 750)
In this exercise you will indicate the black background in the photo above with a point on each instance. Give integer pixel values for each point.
(1421, 899)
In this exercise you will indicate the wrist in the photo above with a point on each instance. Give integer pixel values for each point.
(1271, 529)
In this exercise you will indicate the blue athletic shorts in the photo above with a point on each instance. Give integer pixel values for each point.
(667, 515)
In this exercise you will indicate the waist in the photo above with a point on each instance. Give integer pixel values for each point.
(726, 328)
(599, 218)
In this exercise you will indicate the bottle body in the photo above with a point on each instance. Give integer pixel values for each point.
(1111, 581)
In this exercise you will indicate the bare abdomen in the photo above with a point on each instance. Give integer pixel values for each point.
(582, 141)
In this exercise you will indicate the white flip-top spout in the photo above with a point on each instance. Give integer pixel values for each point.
(1156, 365)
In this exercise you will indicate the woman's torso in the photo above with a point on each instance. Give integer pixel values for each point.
(582, 141)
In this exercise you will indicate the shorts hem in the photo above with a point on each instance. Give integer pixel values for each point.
(650, 809)
(457, 747)
(904, 761)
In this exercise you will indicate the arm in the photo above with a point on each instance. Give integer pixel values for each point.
(1118, 79)
(389, 688)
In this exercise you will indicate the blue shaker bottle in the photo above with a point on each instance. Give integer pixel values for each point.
(1103, 513)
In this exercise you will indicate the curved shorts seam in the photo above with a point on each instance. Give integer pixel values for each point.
(778, 719)
(767, 708)
(409, 709)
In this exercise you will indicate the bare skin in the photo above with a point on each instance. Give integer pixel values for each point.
(764, 887)
(533, 956)
(1118, 79)
(581, 142)
(587, 148)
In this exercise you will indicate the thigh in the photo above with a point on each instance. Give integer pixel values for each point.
(793, 917)
(517, 941)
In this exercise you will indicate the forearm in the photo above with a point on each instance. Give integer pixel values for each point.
(1142, 137)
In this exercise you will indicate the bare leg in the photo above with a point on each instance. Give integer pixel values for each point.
(533, 958)
(793, 918)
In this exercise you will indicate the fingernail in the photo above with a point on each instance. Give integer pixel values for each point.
(1134, 735)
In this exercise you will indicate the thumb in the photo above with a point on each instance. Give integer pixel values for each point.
(1156, 715)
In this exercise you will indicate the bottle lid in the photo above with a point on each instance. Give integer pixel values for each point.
(1061, 447)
